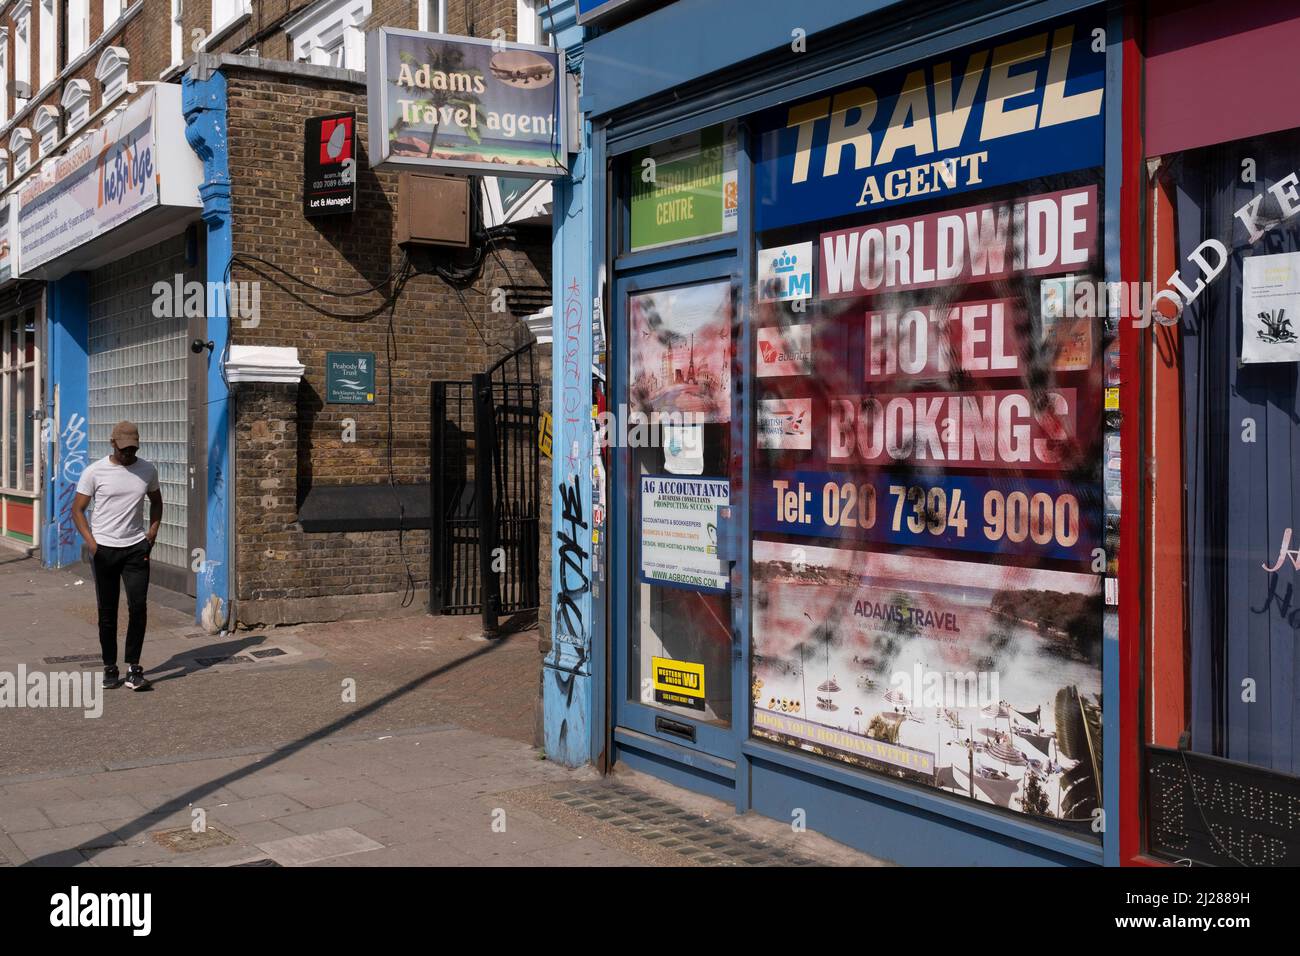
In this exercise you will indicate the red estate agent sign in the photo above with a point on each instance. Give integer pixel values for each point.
(329, 183)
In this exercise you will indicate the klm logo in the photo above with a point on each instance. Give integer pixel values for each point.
(784, 263)
(797, 285)
(786, 274)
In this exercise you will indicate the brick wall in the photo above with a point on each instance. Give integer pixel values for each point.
(284, 573)
(143, 33)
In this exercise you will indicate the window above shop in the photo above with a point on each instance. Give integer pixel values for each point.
(330, 34)
(49, 23)
(20, 144)
(226, 12)
(177, 33)
(433, 16)
(112, 10)
(76, 104)
(532, 20)
(22, 20)
(112, 73)
(4, 168)
(4, 74)
(78, 28)
(46, 124)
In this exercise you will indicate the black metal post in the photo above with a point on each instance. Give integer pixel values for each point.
(484, 452)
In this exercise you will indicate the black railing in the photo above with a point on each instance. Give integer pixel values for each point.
(484, 492)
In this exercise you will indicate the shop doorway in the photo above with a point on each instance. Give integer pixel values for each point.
(677, 673)
(141, 368)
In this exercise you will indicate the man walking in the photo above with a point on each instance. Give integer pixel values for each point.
(119, 545)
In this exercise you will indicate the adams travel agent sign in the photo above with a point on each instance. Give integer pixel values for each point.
(464, 104)
(1000, 113)
(136, 162)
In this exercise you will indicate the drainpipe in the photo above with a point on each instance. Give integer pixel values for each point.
(203, 101)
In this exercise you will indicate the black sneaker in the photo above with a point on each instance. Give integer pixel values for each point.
(135, 678)
(112, 678)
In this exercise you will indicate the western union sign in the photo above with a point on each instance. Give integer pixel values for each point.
(679, 683)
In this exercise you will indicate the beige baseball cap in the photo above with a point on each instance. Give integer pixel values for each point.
(126, 435)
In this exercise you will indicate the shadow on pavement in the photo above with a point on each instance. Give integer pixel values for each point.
(142, 823)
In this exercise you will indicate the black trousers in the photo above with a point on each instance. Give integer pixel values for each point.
(115, 568)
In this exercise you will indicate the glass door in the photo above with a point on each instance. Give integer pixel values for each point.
(674, 461)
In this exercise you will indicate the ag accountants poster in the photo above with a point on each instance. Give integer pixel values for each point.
(979, 679)
(679, 531)
(465, 104)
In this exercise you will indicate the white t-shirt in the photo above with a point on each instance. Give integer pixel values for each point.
(117, 493)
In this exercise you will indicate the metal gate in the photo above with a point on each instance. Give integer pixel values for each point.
(483, 484)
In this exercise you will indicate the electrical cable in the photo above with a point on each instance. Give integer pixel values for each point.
(457, 276)
(408, 593)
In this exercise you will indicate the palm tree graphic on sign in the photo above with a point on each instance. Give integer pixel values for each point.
(447, 60)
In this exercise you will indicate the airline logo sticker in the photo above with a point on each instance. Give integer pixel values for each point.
(785, 272)
(785, 423)
(785, 351)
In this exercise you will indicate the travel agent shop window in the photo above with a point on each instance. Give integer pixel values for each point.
(928, 584)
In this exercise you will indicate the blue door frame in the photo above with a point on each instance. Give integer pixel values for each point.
(715, 748)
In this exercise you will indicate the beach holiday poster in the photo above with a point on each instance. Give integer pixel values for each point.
(978, 679)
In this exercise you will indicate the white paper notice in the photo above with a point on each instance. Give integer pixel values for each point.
(1270, 308)
(684, 449)
(679, 531)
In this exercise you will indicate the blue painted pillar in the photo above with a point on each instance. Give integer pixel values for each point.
(67, 310)
(568, 685)
(204, 105)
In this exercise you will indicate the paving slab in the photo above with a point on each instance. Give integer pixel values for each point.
(312, 847)
(256, 809)
(69, 812)
(329, 818)
(39, 843)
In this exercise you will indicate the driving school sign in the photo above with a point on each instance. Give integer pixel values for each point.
(110, 178)
(985, 116)
(467, 105)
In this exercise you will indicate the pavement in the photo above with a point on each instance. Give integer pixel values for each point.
(406, 741)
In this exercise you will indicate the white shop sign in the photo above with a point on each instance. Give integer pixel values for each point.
(136, 162)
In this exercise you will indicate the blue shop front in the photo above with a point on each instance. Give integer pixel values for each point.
(832, 535)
